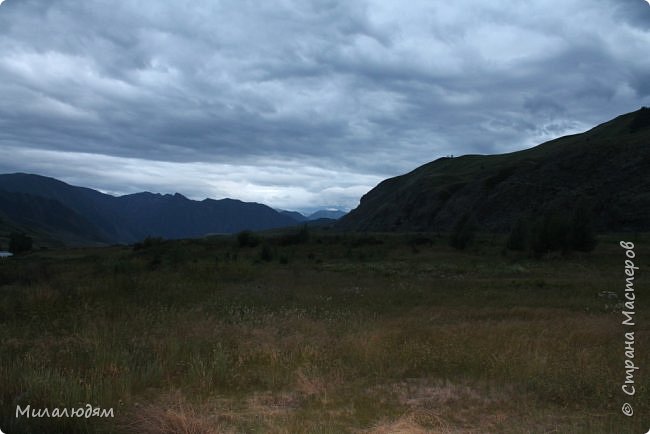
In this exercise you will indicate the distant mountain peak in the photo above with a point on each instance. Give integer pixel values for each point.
(295, 215)
(328, 213)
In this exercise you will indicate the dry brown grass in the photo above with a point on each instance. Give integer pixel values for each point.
(442, 407)
(404, 425)
(418, 421)
(173, 415)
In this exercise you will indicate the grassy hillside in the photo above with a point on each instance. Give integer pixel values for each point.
(606, 166)
(327, 333)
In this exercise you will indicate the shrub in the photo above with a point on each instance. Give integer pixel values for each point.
(550, 233)
(558, 231)
(247, 239)
(19, 242)
(228, 257)
(155, 262)
(463, 232)
(266, 254)
(300, 237)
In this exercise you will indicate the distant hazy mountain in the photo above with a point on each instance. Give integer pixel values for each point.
(295, 215)
(608, 166)
(320, 214)
(326, 214)
(32, 200)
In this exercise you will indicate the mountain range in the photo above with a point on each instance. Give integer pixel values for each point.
(81, 215)
(606, 168)
(330, 214)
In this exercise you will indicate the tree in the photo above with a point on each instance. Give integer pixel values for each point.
(19, 242)
(300, 237)
(582, 236)
(555, 230)
(247, 239)
(550, 233)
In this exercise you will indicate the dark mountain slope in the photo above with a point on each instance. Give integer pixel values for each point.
(98, 208)
(129, 218)
(175, 216)
(608, 166)
(294, 215)
(47, 215)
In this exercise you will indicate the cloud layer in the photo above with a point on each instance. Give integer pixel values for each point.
(300, 104)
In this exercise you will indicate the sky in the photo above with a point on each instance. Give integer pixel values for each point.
(302, 104)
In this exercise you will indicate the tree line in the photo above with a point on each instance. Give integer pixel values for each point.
(551, 231)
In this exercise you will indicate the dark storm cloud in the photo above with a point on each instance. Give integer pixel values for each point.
(300, 103)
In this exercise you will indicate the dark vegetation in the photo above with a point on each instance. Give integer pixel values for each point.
(553, 231)
(337, 333)
(299, 237)
(19, 242)
(247, 239)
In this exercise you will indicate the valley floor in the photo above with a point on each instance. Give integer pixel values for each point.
(330, 334)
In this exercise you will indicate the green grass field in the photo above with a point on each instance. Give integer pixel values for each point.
(339, 334)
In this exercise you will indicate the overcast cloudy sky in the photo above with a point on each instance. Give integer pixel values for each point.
(307, 103)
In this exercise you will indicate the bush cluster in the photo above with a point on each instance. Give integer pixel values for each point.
(266, 254)
(19, 242)
(554, 231)
(300, 237)
(247, 239)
